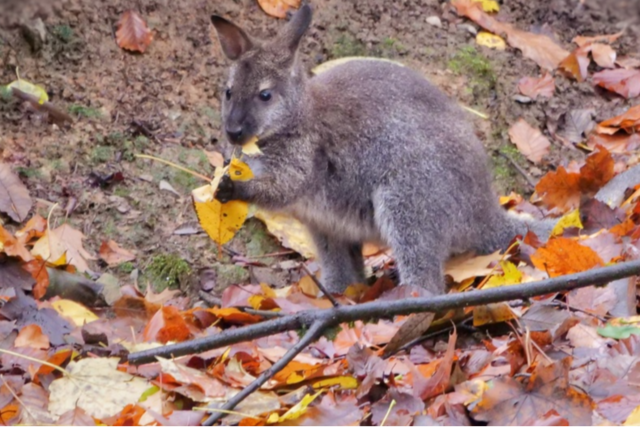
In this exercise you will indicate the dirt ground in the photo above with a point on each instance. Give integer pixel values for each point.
(165, 103)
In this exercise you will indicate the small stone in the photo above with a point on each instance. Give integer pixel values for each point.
(522, 99)
(435, 21)
(468, 28)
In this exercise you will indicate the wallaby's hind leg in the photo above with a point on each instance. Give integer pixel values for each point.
(420, 249)
(341, 262)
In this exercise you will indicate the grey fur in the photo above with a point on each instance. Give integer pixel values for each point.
(366, 151)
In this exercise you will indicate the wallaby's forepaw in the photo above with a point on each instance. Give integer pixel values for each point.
(225, 190)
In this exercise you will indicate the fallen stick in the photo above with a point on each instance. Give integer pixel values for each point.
(377, 309)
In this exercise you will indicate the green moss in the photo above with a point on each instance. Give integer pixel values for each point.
(185, 181)
(29, 173)
(347, 45)
(5, 93)
(167, 270)
(64, 33)
(229, 274)
(83, 111)
(109, 228)
(479, 70)
(390, 48)
(257, 241)
(126, 268)
(122, 191)
(101, 154)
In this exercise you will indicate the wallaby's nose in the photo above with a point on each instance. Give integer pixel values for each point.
(234, 133)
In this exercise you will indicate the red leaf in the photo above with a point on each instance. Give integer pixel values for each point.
(167, 325)
(621, 81)
(133, 33)
(537, 86)
(529, 140)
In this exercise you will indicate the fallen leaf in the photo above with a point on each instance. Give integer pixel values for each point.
(492, 313)
(296, 411)
(439, 381)
(489, 5)
(251, 148)
(289, 231)
(560, 189)
(14, 275)
(540, 48)
(32, 336)
(465, 266)
(13, 247)
(576, 64)
(113, 254)
(629, 121)
(396, 409)
(14, 196)
(416, 325)
(621, 81)
(133, 33)
(603, 55)
(77, 313)
(76, 417)
(597, 171)
(572, 219)
(96, 386)
(167, 325)
(510, 276)
(33, 229)
(529, 140)
(278, 8)
(618, 332)
(489, 40)
(508, 402)
(562, 256)
(64, 242)
(215, 158)
(29, 88)
(184, 375)
(533, 87)
(576, 124)
(608, 38)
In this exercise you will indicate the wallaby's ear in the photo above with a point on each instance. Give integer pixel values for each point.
(233, 39)
(291, 34)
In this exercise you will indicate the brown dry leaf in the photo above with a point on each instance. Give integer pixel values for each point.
(533, 87)
(562, 256)
(529, 140)
(492, 313)
(215, 158)
(416, 325)
(560, 189)
(608, 38)
(14, 196)
(32, 336)
(603, 55)
(167, 325)
(629, 121)
(278, 8)
(12, 247)
(113, 254)
(508, 402)
(64, 241)
(33, 229)
(540, 48)
(439, 381)
(38, 270)
(576, 64)
(621, 81)
(465, 266)
(133, 33)
(597, 171)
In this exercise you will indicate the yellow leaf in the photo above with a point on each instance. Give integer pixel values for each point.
(251, 148)
(255, 301)
(492, 313)
(291, 232)
(78, 313)
(634, 418)
(31, 89)
(489, 5)
(491, 40)
(221, 221)
(267, 291)
(572, 219)
(345, 383)
(63, 245)
(511, 276)
(239, 170)
(296, 410)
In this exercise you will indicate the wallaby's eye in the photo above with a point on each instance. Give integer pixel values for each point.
(265, 95)
(227, 94)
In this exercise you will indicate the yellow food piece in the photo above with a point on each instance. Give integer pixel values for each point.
(491, 40)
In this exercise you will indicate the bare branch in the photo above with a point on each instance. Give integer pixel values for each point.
(378, 309)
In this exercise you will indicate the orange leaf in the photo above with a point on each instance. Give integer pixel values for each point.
(32, 336)
(296, 372)
(597, 171)
(133, 33)
(233, 315)
(167, 325)
(8, 413)
(603, 55)
(537, 86)
(529, 140)
(278, 8)
(57, 359)
(623, 82)
(629, 121)
(576, 63)
(113, 254)
(33, 229)
(609, 38)
(12, 247)
(560, 189)
(38, 270)
(624, 228)
(562, 256)
(439, 382)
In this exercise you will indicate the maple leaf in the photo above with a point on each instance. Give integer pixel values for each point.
(560, 189)
(508, 402)
(629, 121)
(533, 87)
(14, 196)
(65, 243)
(439, 381)
(133, 33)
(621, 81)
(278, 8)
(167, 325)
(540, 48)
(12, 246)
(562, 256)
(529, 140)
(597, 171)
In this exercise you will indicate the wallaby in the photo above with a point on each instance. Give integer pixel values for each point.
(366, 151)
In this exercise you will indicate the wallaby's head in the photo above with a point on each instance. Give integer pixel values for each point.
(266, 82)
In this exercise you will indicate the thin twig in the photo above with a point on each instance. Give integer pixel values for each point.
(378, 309)
(320, 286)
(314, 332)
(522, 172)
